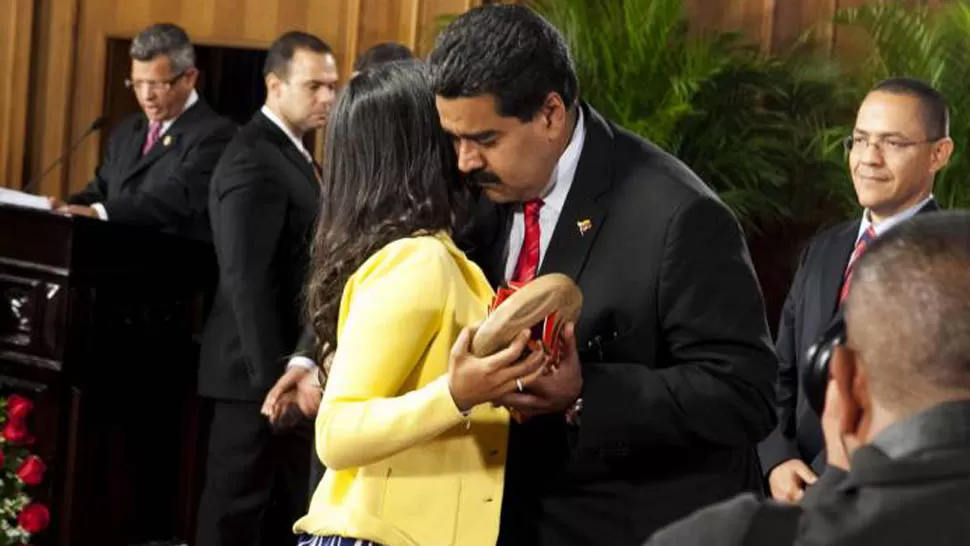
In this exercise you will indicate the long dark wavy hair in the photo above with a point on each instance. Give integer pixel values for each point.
(390, 172)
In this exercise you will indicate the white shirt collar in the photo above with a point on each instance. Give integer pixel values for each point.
(554, 196)
(889, 223)
(286, 130)
(193, 98)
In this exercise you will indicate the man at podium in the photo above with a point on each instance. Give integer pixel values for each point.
(155, 172)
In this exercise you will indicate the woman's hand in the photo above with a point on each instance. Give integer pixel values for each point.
(473, 380)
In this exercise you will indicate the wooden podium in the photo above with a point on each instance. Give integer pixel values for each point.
(100, 326)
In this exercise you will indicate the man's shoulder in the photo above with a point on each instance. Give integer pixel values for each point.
(820, 244)
(643, 172)
(732, 522)
(724, 523)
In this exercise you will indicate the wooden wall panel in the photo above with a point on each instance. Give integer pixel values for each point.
(69, 54)
(64, 68)
(16, 18)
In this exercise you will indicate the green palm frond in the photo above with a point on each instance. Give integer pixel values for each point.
(746, 124)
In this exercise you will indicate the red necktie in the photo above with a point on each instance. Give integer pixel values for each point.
(154, 130)
(528, 262)
(867, 236)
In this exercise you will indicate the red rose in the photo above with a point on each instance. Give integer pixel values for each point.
(34, 518)
(18, 407)
(31, 471)
(15, 432)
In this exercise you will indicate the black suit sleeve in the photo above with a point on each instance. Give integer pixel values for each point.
(780, 445)
(306, 344)
(719, 367)
(181, 193)
(248, 211)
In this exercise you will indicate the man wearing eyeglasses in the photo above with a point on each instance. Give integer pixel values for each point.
(899, 143)
(158, 163)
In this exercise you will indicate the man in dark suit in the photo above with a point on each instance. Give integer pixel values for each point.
(899, 143)
(897, 407)
(298, 389)
(263, 204)
(660, 413)
(157, 167)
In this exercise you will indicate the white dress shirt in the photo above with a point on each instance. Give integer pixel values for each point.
(297, 141)
(892, 221)
(193, 98)
(553, 199)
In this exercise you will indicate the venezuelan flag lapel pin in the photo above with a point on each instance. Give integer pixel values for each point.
(584, 225)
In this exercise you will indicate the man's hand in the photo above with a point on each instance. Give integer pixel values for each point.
(789, 480)
(554, 391)
(473, 380)
(309, 392)
(55, 203)
(80, 210)
(284, 392)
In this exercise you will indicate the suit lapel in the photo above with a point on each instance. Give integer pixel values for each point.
(582, 214)
(834, 258)
(489, 238)
(298, 159)
(131, 151)
(165, 142)
(288, 149)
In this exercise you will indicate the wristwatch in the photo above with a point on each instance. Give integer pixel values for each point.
(574, 413)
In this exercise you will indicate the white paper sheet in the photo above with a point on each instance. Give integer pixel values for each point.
(21, 199)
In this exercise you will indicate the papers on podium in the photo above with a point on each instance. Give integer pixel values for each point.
(21, 199)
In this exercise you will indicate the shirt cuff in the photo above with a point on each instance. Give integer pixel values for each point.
(301, 362)
(99, 208)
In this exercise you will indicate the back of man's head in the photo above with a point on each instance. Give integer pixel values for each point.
(908, 313)
(385, 52)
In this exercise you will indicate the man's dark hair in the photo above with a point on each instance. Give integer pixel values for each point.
(936, 114)
(507, 51)
(164, 39)
(282, 49)
(908, 313)
(382, 53)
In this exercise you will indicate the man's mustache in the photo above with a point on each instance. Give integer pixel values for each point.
(480, 178)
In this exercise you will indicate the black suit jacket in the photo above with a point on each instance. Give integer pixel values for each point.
(166, 189)
(676, 356)
(910, 487)
(263, 205)
(812, 304)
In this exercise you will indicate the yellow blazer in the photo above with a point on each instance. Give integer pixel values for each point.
(404, 467)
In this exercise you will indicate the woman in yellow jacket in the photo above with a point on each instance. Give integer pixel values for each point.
(414, 453)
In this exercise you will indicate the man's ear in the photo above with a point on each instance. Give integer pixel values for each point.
(554, 113)
(942, 151)
(273, 83)
(844, 369)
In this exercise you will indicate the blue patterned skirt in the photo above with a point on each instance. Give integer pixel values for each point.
(312, 540)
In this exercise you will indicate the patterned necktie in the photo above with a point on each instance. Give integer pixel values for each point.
(867, 236)
(528, 262)
(154, 130)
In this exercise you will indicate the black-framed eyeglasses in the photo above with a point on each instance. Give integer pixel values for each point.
(890, 144)
(151, 85)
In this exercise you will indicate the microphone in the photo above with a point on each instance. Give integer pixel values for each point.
(95, 125)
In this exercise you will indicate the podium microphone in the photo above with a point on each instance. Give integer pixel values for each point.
(95, 125)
